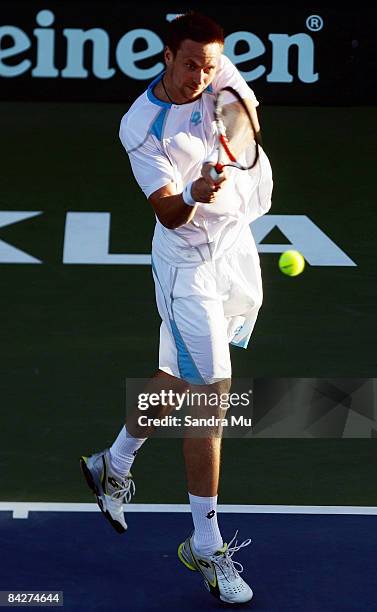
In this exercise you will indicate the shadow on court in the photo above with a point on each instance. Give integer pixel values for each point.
(295, 563)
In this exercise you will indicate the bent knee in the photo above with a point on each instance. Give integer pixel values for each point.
(221, 386)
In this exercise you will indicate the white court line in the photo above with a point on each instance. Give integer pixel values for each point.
(21, 509)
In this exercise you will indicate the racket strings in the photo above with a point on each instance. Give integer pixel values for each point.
(237, 129)
(237, 137)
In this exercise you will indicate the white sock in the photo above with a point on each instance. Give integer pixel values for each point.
(123, 452)
(207, 536)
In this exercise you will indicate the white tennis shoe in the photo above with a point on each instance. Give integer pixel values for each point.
(110, 490)
(221, 576)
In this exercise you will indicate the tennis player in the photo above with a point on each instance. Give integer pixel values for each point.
(206, 271)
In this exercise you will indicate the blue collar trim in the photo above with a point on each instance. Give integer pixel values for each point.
(152, 97)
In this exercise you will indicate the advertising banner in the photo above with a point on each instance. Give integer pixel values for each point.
(296, 56)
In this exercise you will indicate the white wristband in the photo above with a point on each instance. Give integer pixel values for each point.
(186, 195)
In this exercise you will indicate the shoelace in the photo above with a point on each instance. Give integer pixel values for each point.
(125, 491)
(226, 563)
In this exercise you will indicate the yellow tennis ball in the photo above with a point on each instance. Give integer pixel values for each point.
(291, 263)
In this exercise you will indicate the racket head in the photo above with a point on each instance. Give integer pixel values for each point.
(238, 136)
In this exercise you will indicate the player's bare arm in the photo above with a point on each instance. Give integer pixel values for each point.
(170, 207)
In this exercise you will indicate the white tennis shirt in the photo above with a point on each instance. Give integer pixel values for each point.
(171, 142)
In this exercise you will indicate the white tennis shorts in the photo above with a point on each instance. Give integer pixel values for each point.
(204, 308)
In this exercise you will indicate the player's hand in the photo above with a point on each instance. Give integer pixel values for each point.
(206, 174)
(201, 191)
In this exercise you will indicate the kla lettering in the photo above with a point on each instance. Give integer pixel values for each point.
(40, 50)
(87, 240)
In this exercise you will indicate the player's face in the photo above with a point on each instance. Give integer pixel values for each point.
(191, 70)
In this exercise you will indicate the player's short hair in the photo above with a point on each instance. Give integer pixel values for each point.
(196, 27)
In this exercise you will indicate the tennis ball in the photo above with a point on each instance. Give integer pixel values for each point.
(291, 263)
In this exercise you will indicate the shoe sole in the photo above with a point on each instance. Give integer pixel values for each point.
(93, 487)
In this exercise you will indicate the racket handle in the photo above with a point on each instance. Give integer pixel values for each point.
(216, 171)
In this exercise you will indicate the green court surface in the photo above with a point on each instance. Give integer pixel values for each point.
(72, 334)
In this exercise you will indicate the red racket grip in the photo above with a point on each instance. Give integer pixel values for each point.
(216, 171)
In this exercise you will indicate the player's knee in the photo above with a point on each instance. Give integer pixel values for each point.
(221, 386)
(212, 399)
(220, 390)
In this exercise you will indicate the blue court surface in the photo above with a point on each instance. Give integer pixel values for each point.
(297, 562)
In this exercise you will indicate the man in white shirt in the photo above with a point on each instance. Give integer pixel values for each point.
(206, 270)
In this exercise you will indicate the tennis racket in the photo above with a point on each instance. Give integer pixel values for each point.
(238, 136)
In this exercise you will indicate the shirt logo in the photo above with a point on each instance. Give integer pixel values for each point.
(196, 118)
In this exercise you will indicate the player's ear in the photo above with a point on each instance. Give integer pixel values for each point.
(168, 56)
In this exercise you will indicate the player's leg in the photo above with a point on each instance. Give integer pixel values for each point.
(202, 449)
(163, 385)
(204, 550)
(108, 472)
(202, 461)
(194, 346)
(133, 435)
(244, 296)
